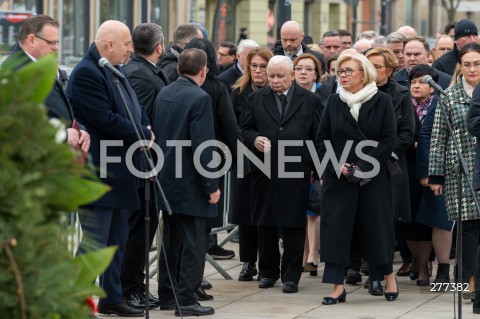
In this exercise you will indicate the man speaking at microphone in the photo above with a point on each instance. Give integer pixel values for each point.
(97, 102)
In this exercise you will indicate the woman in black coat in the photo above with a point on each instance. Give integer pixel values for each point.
(385, 63)
(254, 78)
(352, 205)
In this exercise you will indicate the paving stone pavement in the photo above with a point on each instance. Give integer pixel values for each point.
(234, 299)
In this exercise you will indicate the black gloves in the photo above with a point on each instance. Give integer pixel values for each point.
(354, 179)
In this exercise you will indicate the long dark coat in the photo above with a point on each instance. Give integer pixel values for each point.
(281, 201)
(226, 130)
(241, 188)
(473, 125)
(183, 111)
(97, 104)
(403, 108)
(348, 207)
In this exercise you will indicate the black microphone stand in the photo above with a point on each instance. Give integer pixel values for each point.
(153, 177)
(462, 173)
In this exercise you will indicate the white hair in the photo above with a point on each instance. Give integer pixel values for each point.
(281, 60)
(246, 44)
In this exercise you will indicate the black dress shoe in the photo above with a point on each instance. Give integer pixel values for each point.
(205, 284)
(332, 300)
(375, 287)
(249, 270)
(167, 305)
(202, 295)
(353, 277)
(194, 310)
(137, 300)
(120, 309)
(290, 287)
(266, 283)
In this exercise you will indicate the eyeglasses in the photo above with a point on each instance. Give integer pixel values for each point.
(397, 52)
(262, 67)
(51, 43)
(468, 65)
(347, 71)
(307, 69)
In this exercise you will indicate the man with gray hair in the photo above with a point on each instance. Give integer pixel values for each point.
(369, 35)
(147, 79)
(331, 43)
(395, 43)
(231, 75)
(379, 42)
(182, 35)
(276, 113)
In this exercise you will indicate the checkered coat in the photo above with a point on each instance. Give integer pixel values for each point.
(443, 165)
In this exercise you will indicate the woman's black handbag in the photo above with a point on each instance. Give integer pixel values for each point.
(392, 165)
(315, 199)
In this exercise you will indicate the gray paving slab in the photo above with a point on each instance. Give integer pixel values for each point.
(244, 300)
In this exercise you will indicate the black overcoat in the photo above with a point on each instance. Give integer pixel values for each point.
(282, 201)
(183, 111)
(348, 207)
(97, 104)
(241, 188)
(403, 108)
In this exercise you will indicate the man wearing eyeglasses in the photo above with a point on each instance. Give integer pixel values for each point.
(416, 52)
(226, 55)
(37, 37)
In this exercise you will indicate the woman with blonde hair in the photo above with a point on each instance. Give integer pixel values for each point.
(358, 201)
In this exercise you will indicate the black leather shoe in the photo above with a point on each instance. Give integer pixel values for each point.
(205, 284)
(290, 287)
(332, 300)
(167, 305)
(375, 288)
(202, 295)
(392, 296)
(137, 300)
(120, 309)
(353, 277)
(266, 283)
(249, 270)
(194, 310)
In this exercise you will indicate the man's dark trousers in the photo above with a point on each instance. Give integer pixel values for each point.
(133, 268)
(108, 226)
(185, 245)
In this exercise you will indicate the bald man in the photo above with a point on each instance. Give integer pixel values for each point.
(407, 31)
(96, 93)
(291, 43)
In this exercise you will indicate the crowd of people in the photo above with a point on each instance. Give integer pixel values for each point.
(354, 124)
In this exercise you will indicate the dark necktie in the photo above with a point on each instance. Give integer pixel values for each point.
(294, 57)
(283, 103)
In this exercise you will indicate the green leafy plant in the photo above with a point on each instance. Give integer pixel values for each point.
(39, 183)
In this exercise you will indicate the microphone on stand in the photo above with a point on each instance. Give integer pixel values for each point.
(428, 79)
(103, 63)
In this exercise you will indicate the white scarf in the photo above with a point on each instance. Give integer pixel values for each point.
(355, 101)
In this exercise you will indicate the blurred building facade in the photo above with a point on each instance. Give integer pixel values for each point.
(224, 18)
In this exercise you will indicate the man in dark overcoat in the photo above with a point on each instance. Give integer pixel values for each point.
(97, 102)
(183, 112)
(278, 113)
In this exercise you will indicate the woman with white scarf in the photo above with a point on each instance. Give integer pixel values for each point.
(354, 206)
